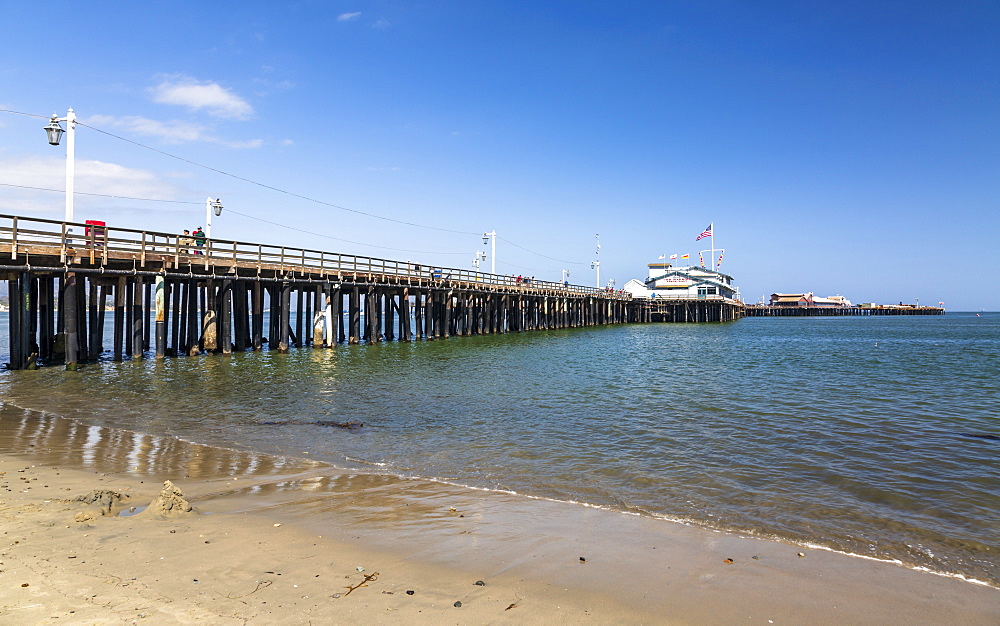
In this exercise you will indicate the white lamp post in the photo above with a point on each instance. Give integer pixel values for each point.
(565, 276)
(493, 254)
(55, 132)
(596, 263)
(211, 206)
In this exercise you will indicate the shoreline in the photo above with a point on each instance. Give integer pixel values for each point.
(314, 524)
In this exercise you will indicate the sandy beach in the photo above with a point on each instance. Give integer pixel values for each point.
(89, 537)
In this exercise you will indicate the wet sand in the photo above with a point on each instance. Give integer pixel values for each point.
(273, 540)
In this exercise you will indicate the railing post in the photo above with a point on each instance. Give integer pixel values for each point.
(62, 244)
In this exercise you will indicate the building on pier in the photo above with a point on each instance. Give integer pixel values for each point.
(682, 283)
(809, 300)
(687, 294)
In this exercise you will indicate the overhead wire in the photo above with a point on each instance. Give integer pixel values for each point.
(545, 256)
(281, 191)
(278, 189)
(44, 117)
(308, 232)
(100, 195)
(357, 243)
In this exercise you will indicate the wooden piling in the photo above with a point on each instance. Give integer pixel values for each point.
(119, 321)
(161, 317)
(354, 314)
(223, 308)
(284, 317)
(299, 312)
(418, 314)
(46, 310)
(404, 315)
(257, 314)
(175, 318)
(137, 319)
(69, 314)
(192, 343)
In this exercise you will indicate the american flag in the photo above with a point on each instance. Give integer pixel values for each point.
(705, 233)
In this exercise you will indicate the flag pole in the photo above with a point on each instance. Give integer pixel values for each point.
(711, 227)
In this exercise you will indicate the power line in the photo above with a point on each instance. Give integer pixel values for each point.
(100, 195)
(357, 243)
(282, 191)
(277, 189)
(44, 117)
(104, 195)
(539, 253)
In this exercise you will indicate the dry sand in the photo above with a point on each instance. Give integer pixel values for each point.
(289, 543)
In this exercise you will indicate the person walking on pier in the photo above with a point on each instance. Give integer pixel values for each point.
(199, 239)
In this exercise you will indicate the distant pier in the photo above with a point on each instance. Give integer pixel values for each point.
(763, 310)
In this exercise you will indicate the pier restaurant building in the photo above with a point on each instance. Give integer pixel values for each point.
(683, 283)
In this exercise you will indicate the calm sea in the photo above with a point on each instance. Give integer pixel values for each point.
(873, 436)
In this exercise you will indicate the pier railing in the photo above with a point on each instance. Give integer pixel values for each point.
(73, 240)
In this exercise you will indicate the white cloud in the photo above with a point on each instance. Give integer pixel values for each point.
(381, 23)
(268, 86)
(250, 143)
(347, 17)
(212, 97)
(92, 177)
(172, 131)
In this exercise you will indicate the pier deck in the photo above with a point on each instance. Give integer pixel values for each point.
(708, 308)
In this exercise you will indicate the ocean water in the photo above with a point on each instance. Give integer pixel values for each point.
(877, 436)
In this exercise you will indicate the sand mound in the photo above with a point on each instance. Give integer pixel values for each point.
(103, 497)
(170, 501)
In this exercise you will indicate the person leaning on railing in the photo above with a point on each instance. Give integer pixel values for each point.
(185, 242)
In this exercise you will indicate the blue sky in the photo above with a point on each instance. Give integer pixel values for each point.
(847, 147)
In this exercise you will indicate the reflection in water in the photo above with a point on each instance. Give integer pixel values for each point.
(426, 514)
(59, 441)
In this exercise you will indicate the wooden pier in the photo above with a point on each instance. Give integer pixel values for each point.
(708, 308)
(763, 310)
(170, 297)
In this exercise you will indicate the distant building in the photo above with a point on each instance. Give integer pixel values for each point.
(808, 300)
(791, 299)
(682, 283)
(839, 300)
